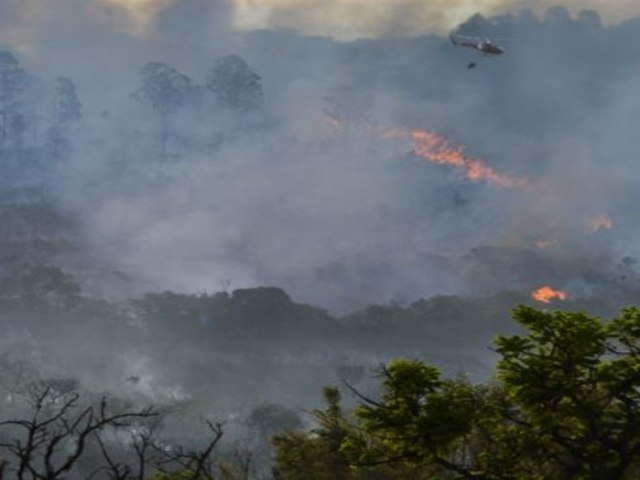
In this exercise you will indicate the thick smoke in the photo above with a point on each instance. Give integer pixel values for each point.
(338, 214)
(316, 173)
(351, 19)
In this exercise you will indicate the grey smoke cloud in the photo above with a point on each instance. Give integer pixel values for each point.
(349, 19)
(344, 217)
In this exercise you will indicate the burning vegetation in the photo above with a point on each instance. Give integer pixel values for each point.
(435, 148)
(547, 294)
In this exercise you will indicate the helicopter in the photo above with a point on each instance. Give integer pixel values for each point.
(483, 45)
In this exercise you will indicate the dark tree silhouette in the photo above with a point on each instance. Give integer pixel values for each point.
(12, 84)
(236, 86)
(166, 90)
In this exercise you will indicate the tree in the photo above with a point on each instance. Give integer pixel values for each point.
(565, 403)
(417, 424)
(59, 437)
(172, 463)
(16, 375)
(40, 287)
(574, 382)
(49, 444)
(12, 84)
(166, 90)
(67, 110)
(235, 85)
(317, 456)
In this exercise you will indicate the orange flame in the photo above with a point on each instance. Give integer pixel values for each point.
(599, 222)
(436, 149)
(546, 294)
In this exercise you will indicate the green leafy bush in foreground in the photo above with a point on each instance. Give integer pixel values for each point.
(565, 404)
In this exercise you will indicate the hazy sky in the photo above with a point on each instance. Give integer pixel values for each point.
(342, 19)
(348, 18)
(353, 18)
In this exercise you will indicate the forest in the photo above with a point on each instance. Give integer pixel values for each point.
(271, 255)
(562, 402)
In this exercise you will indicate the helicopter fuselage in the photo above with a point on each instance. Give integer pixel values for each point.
(489, 48)
(484, 46)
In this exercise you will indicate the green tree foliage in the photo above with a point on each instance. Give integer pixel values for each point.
(576, 383)
(318, 455)
(565, 403)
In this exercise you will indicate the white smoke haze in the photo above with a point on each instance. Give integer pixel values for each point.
(321, 191)
(340, 217)
(351, 19)
(309, 193)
